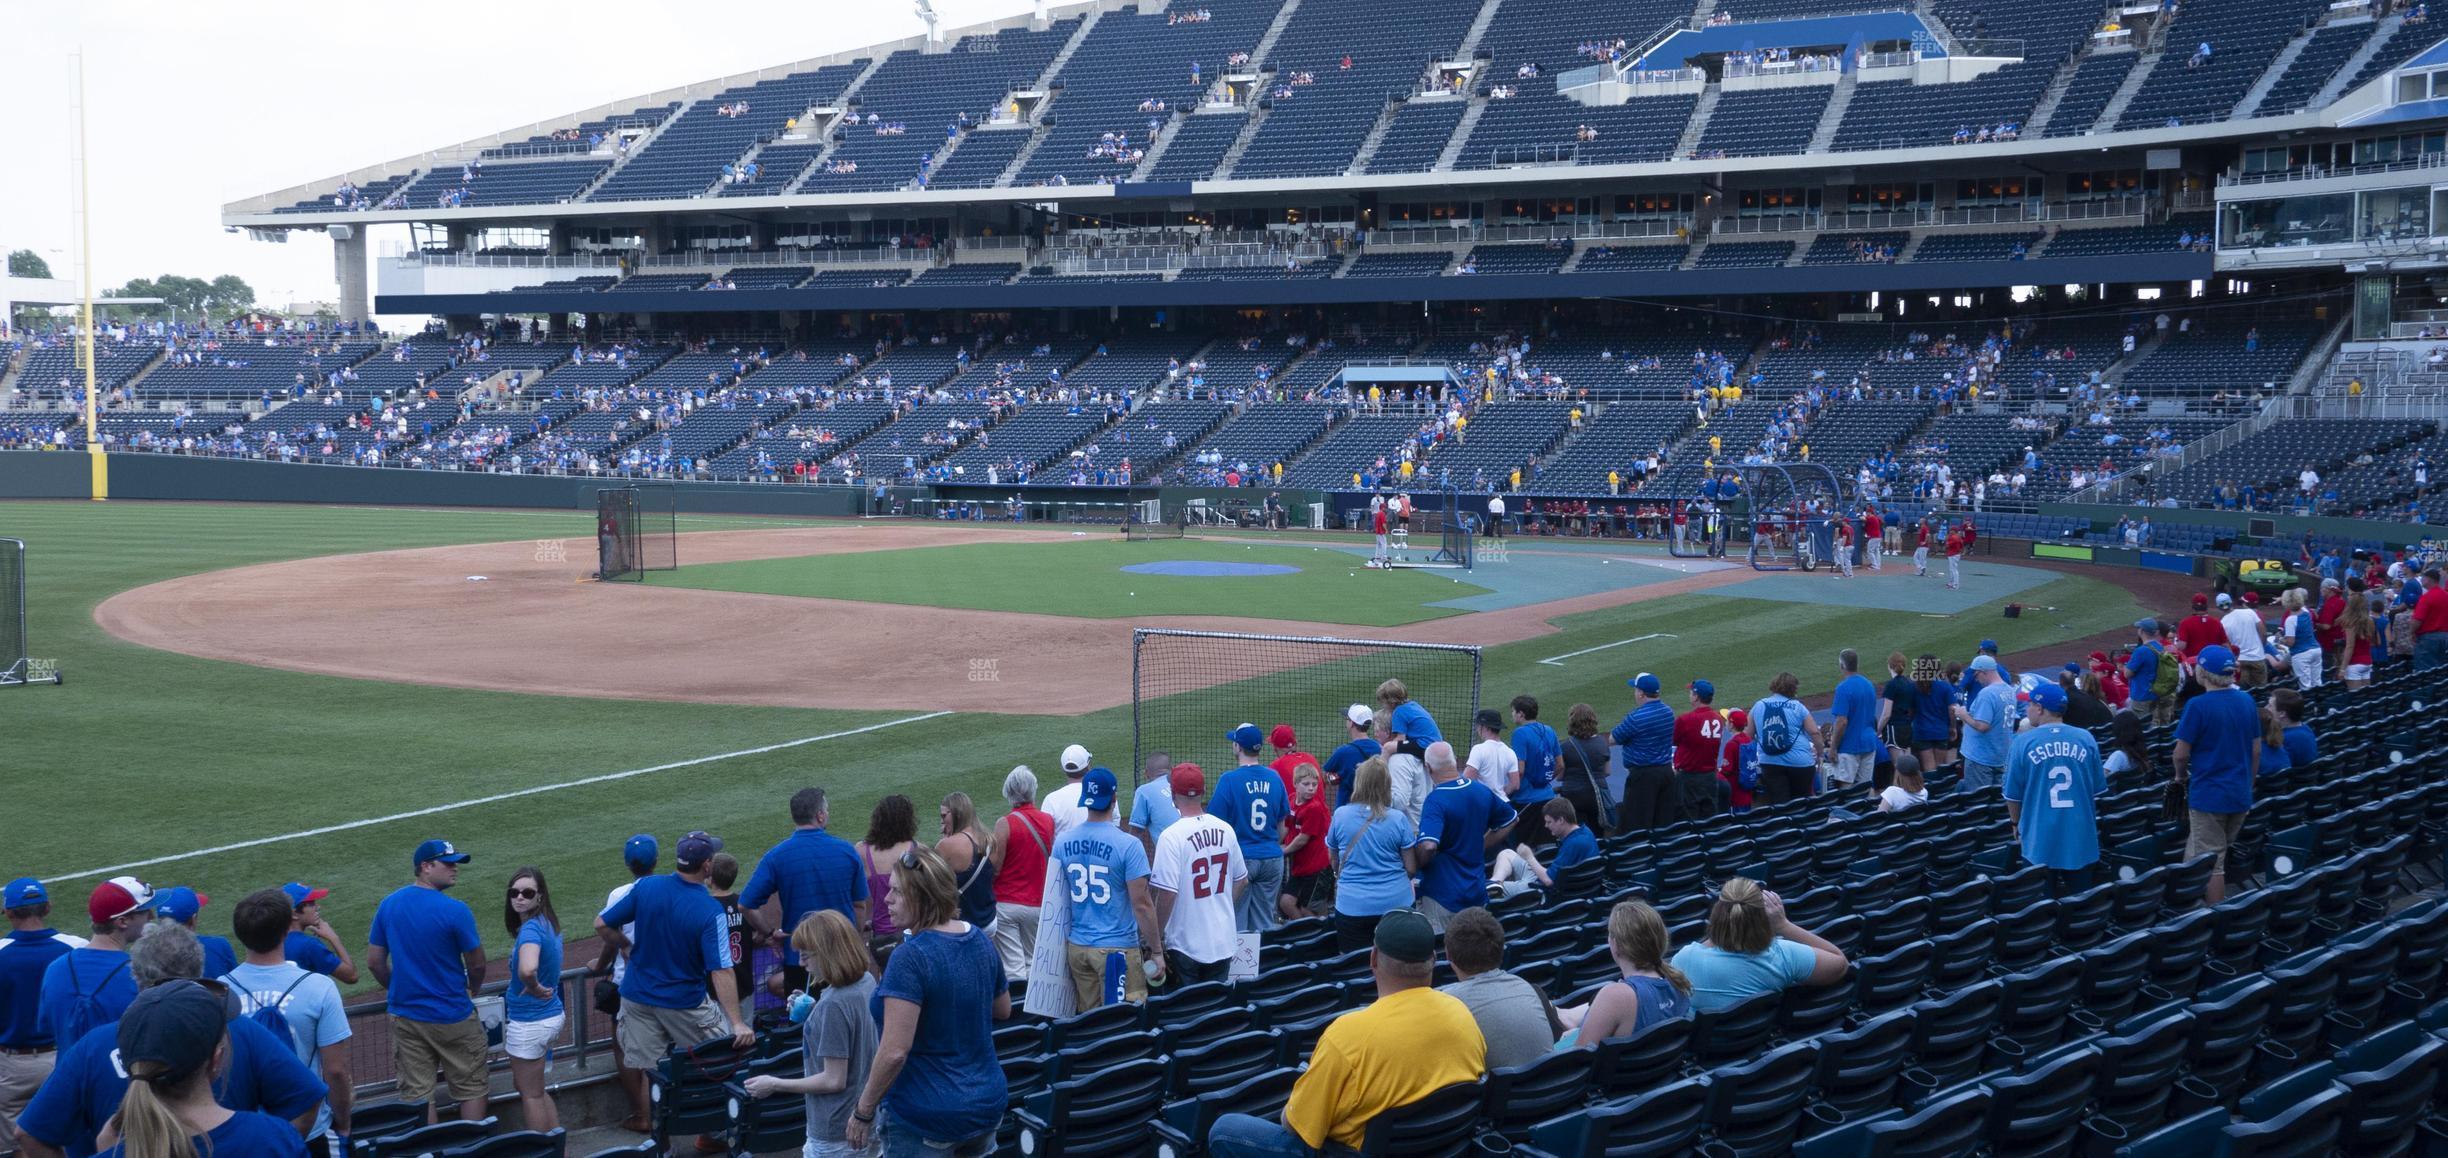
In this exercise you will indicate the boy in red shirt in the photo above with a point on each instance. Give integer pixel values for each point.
(1698, 736)
(1304, 837)
(1733, 755)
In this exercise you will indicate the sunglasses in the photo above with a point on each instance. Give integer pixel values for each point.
(909, 860)
(523, 894)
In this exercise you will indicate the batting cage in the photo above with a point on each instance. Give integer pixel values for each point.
(637, 530)
(1144, 517)
(17, 668)
(1457, 532)
(1793, 510)
(1701, 528)
(1188, 688)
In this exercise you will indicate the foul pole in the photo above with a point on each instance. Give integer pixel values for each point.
(85, 303)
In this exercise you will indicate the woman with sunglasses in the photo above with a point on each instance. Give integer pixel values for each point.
(936, 1089)
(532, 1006)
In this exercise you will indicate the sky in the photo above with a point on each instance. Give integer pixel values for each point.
(191, 106)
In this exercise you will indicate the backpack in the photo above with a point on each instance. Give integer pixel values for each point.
(1776, 731)
(2166, 677)
(268, 1014)
(85, 1011)
(1746, 763)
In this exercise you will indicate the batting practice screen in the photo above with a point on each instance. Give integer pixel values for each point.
(16, 667)
(636, 531)
(1189, 688)
(1144, 518)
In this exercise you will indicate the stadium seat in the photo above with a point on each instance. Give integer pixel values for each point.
(1633, 1063)
(1182, 1131)
(1106, 1111)
(1439, 1125)
(1665, 1121)
(1756, 1108)
(1736, 1032)
(525, 1144)
(424, 1139)
(1518, 1097)
(1860, 1069)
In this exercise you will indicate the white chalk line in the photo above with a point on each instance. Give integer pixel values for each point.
(497, 798)
(1558, 660)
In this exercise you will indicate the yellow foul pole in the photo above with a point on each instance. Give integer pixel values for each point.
(85, 305)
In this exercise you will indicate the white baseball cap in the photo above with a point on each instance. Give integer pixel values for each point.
(1074, 760)
(1360, 715)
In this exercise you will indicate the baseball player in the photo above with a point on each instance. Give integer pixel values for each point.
(1377, 523)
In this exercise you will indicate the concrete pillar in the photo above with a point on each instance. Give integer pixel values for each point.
(349, 270)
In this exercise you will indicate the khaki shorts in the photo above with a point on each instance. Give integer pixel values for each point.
(648, 1032)
(2212, 832)
(1088, 975)
(20, 1075)
(418, 1048)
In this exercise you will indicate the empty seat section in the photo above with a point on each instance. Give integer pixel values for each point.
(2243, 35)
(1419, 134)
(1319, 111)
(687, 158)
(1128, 59)
(2096, 81)
(1755, 122)
(924, 95)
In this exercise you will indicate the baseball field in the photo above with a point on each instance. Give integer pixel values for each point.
(257, 694)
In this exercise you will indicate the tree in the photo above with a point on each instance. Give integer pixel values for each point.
(189, 297)
(27, 263)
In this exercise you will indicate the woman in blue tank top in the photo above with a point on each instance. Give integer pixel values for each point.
(1651, 990)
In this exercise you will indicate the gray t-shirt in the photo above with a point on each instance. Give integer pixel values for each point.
(1511, 1017)
(840, 1026)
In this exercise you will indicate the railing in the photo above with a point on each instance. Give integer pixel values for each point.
(2322, 173)
(1904, 59)
(876, 255)
(1660, 77)
(2118, 488)
(1798, 222)
(1576, 78)
(1522, 155)
(1811, 64)
(415, 258)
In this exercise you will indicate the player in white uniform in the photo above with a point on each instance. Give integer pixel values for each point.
(1198, 876)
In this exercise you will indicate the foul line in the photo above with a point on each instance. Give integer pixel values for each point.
(494, 799)
(1558, 660)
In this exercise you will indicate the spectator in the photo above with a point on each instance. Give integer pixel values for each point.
(1535, 749)
(1251, 799)
(1374, 858)
(1933, 720)
(1788, 738)
(1491, 760)
(1345, 760)
(1288, 755)
(88, 986)
(1411, 1042)
(935, 1083)
(1023, 840)
(309, 1002)
(1151, 810)
(1063, 803)
(2241, 630)
(181, 905)
(1699, 739)
(1411, 723)
(2430, 623)
(261, 1072)
(426, 952)
(2201, 629)
(638, 855)
(312, 943)
(811, 869)
(27, 1049)
(2218, 753)
(1988, 723)
(1646, 737)
(1738, 762)
(1455, 826)
(2126, 750)
(1198, 875)
(1404, 769)
(2356, 634)
(1106, 874)
(2302, 747)
(963, 846)
(2083, 710)
(679, 944)
(2053, 777)
(741, 928)
(532, 1007)
(892, 829)
(1518, 868)
(2144, 668)
(2274, 755)
(837, 1032)
(1898, 698)
(1305, 860)
(174, 1042)
(1514, 1018)
(2302, 638)
(1581, 768)
(1651, 991)
(1853, 723)
(1752, 949)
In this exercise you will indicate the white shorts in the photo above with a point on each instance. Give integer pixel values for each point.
(2358, 671)
(1853, 768)
(532, 1040)
(819, 1149)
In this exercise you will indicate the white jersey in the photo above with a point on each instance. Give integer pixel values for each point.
(1063, 805)
(1493, 763)
(620, 962)
(1198, 860)
(2243, 626)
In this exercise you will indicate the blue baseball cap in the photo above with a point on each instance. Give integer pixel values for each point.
(2074, 669)
(696, 848)
(180, 904)
(1247, 737)
(1097, 789)
(2216, 660)
(641, 850)
(2050, 697)
(301, 896)
(440, 850)
(1704, 689)
(1644, 683)
(2149, 625)
(1989, 645)
(22, 892)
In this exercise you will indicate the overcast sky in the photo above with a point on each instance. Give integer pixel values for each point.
(195, 105)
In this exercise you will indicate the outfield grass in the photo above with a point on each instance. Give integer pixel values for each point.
(145, 754)
(1085, 578)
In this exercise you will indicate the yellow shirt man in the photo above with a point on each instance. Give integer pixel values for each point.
(1716, 444)
(1517, 478)
(1733, 394)
(1406, 470)
(1279, 472)
(1806, 452)
(1398, 1050)
(1614, 482)
(1376, 396)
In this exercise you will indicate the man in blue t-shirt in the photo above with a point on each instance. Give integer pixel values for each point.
(1646, 737)
(426, 952)
(1454, 826)
(312, 944)
(2142, 670)
(26, 1048)
(2053, 776)
(1536, 746)
(1343, 762)
(87, 987)
(811, 869)
(1152, 809)
(2218, 753)
(1251, 799)
(1853, 723)
(680, 942)
(1104, 880)
(1518, 868)
(184, 905)
(1988, 725)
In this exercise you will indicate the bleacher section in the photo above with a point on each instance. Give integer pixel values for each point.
(1940, 247)
(1267, 433)
(1198, 145)
(1352, 447)
(2312, 68)
(974, 273)
(2085, 447)
(242, 372)
(2096, 81)
(1420, 131)
(1139, 439)
(52, 370)
(1539, 126)
(812, 435)
(2272, 459)
(2410, 38)
(1315, 129)
(2243, 36)
(1030, 441)
(1744, 255)
(1893, 114)
(1763, 121)
(1632, 258)
(2102, 242)
(582, 138)
(1398, 264)
(1129, 58)
(1621, 432)
(1514, 260)
(1500, 438)
(1853, 248)
(2213, 358)
(688, 157)
(925, 93)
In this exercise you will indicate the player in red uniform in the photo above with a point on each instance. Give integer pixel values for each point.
(1957, 538)
(1921, 546)
(1698, 736)
(1874, 530)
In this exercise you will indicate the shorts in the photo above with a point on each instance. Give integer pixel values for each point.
(648, 1032)
(2357, 671)
(2211, 832)
(532, 1040)
(20, 1075)
(1853, 768)
(815, 1148)
(1087, 968)
(1304, 889)
(418, 1048)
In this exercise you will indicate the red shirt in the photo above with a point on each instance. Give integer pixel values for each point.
(1872, 525)
(1729, 769)
(1925, 535)
(1020, 879)
(1284, 765)
(1309, 820)
(1379, 521)
(2200, 630)
(2325, 625)
(2430, 611)
(1696, 736)
(1954, 544)
(1971, 534)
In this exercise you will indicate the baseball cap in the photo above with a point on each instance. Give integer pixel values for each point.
(1188, 780)
(1487, 718)
(1989, 645)
(1704, 689)
(1247, 737)
(1282, 736)
(641, 849)
(2328, 583)
(1984, 663)
(2225, 600)
(1360, 715)
(22, 892)
(1404, 935)
(117, 897)
(1738, 719)
(2216, 660)
(2050, 697)
(2149, 625)
(2252, 599)
(2074, 669)
(179, 904)
(1644, 683)
(2200, 601)
(1097, 790)
(2099, 657)
(1074, 760)
(699, 846)
(171, 1030)
(440, 850)
(301, 896)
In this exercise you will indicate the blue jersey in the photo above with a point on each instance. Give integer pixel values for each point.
(1535, 745)
(2223, 729)
(308, 952)
(681, 939)
(1099, 861)
(1577, 846)
(24, 955)
(1342, 763)
(1413, 721)
(1647, 735)
(85, 1087)
(2054, 772)
(1152, 808)
(1994, 705)
(1857, 705)
(1933, 717)
(426, 933)
(1250, 798)
(1458, 815)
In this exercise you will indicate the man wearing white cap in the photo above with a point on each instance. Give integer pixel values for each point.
(1346, 760)
(1063, 804)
